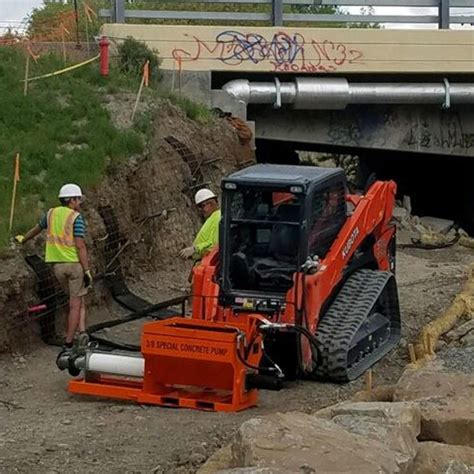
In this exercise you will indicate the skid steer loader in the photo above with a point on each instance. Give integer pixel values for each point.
(302, 285)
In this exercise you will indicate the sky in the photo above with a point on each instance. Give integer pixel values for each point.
(14, 12)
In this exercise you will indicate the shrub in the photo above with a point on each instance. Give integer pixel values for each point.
(132, 56)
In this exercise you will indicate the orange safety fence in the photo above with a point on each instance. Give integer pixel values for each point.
(59, 28)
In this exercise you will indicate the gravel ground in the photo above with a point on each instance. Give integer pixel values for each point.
(44, 429)
(459, 359)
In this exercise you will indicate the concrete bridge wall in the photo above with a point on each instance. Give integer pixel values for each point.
(304, 50)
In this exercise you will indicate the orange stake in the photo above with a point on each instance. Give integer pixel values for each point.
(146, 73)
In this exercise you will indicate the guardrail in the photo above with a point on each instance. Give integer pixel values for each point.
(445, 16)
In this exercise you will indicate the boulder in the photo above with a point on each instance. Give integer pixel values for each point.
(468, 339)
(460, 332)
(456, 467)
(219, 461)
(435, 457)
(441, 226)
(297, 442)
(446, 402)
(396, 425)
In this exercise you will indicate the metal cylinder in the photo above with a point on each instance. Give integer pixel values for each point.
(115, 364)
(260, 92)
(321, 93)
(399, 93)
(338, 93)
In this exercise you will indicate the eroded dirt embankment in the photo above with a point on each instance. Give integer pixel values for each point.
(181, 156)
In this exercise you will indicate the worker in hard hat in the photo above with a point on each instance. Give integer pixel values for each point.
(66, 251)
(208, 236)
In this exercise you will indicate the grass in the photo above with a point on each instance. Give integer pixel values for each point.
(193, 110)
(61, 130)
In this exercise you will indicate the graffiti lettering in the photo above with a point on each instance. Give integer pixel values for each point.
(283, 52)
(447, 134)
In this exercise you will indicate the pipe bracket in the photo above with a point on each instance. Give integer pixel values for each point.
(277, 103)
(447, 100)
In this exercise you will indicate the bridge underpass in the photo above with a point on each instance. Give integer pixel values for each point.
(427, 146)
(419, 133)
(438, 185)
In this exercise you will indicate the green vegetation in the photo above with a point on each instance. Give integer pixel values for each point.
(61, 130)
(133, 54)
(193, 110)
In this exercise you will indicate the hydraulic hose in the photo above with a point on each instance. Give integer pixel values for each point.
(127, 319)
(268, 370)
(311, 339)
(301, 330)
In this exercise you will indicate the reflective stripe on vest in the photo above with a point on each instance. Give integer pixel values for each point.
(60, 246)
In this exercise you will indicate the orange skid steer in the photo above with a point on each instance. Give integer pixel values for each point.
(302, 285)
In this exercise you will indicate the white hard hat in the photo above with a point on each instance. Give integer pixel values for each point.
(203, 195)
(70, 191)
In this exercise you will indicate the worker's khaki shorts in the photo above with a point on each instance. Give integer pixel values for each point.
(71, 278)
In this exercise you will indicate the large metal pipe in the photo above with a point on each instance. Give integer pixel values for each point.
(123, 364)
(338, 93)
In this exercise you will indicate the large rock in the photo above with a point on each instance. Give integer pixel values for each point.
(396, 425)
(446, 402)
(297, 442)
(436, 458)
(461, 331)
(456, 467)
(436, 224)
(218, 462)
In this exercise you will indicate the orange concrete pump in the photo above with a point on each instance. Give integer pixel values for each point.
(302, 285)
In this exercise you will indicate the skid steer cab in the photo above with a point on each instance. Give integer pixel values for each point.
(302, 285)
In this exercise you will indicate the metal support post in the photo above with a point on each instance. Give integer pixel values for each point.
(277, 12)
(444, 14)
(119, 11)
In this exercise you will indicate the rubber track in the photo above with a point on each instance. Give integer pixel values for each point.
(345, 316)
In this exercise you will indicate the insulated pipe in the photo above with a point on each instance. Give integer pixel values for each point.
(338, 93)
(113, 364)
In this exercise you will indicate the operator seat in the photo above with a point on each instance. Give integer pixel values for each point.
(284, 238)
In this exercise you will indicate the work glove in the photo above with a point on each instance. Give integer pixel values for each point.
(87, 279)
(19, 238)
(187, 252)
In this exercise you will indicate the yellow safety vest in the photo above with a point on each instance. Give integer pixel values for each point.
(208, 236)
(60, 246)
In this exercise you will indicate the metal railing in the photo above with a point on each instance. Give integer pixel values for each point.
(444, 17)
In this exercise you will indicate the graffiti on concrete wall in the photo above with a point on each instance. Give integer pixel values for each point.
(420, 129)
(448, 134)
(284, 52)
